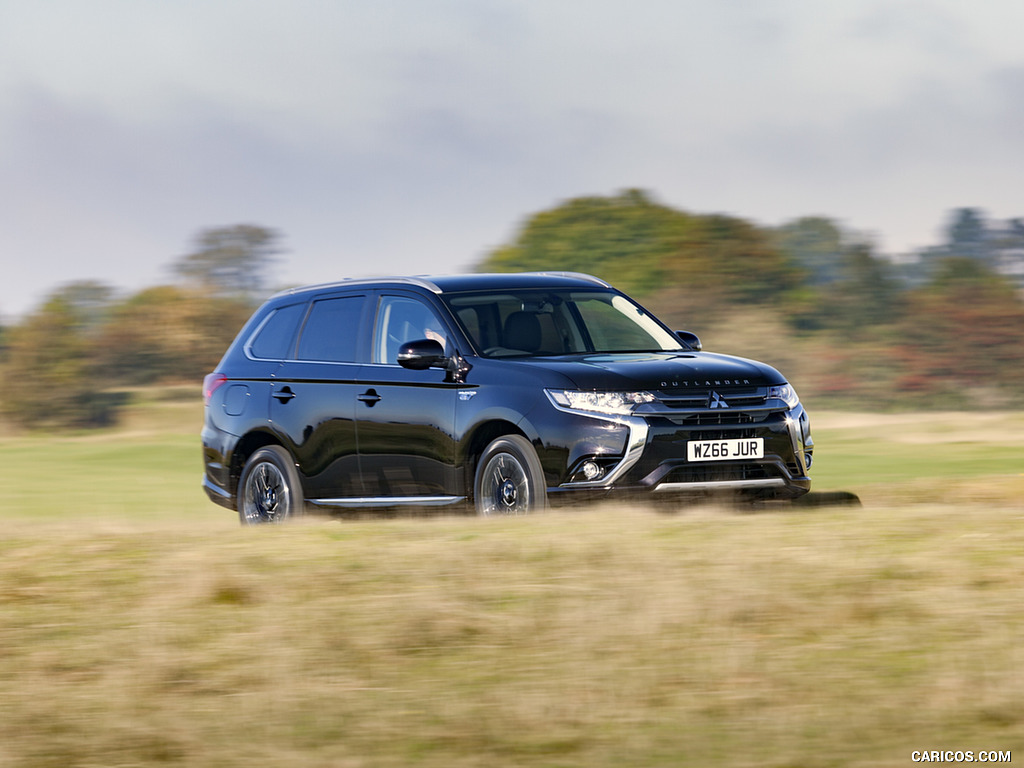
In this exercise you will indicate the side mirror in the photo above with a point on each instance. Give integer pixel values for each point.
(422, 354)
(692, 340)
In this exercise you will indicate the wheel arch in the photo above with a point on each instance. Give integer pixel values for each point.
(246, 447)
(478, 440)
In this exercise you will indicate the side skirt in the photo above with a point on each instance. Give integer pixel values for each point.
(388, 501)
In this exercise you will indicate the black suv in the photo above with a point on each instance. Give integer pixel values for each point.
(506, 392)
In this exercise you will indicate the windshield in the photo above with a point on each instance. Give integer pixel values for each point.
(544, 322)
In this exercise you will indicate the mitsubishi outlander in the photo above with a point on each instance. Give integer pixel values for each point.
(501, 393)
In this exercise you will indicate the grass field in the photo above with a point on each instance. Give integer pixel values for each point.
(141, 626)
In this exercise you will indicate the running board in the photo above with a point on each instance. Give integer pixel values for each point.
(389, 501)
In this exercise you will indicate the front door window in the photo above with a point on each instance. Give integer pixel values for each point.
(401, 320)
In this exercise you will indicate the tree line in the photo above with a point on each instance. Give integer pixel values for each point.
(851, 327)
(941, 328)
(69, 363)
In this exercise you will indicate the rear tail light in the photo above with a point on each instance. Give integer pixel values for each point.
(211, 383)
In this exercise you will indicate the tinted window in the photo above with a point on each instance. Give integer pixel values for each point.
(555, 322)
(603, 319)
(275, 339)
(332, 330)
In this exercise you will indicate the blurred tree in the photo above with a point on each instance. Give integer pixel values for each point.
(89, 302)
(623, 239)
(645, 249)
(863, 292)
(49, 377)
(231, 261)
(816, 244)
(729, 260)
(67, 362)
(966, 234)
(866, 293)
(167, 333)
(964, 332)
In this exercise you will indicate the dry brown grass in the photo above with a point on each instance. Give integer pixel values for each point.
(614, 636)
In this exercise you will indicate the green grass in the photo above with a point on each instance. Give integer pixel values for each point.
(141, 626)
(149, 468)
(919, 457)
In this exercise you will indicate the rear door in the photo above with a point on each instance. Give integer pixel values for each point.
(314, 395)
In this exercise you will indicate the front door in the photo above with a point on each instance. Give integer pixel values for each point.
(405, 420)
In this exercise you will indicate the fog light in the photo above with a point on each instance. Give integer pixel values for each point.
(591, 471)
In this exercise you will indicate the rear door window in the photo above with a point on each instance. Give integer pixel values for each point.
(331, 333)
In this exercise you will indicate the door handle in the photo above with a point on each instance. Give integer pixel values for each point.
(370, 397)
(284, 395)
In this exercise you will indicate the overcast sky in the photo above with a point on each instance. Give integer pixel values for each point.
(413, 136)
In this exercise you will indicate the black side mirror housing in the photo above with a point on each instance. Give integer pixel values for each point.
(422, 354)
(692, 340)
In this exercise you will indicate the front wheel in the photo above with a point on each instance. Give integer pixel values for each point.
(509, 479)
(269, 490)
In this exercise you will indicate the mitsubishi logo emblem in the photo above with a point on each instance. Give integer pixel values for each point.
(715, 401)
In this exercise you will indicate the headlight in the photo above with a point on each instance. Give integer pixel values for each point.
(611, 403)
(785, 393)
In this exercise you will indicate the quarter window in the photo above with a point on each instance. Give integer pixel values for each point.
(275, 339)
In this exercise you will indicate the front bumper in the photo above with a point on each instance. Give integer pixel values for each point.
(654, 457)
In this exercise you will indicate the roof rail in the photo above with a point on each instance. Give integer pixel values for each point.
(422, 282)
(577, 275)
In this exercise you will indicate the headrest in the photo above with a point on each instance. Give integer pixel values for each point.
(522, 331)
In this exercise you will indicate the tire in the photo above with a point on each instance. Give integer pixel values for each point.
(509, 479)
(269, 490)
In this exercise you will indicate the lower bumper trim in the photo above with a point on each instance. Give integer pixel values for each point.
(721, 485)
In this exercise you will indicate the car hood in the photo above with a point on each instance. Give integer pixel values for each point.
(661, 371)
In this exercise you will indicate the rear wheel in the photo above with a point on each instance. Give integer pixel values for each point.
(509, 479)
(269, 490)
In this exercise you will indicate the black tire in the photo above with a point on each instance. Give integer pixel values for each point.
(269, 490)
(509, 479)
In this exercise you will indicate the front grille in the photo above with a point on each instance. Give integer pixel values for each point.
(727, 434)
(719, 473)
(718, 407)
(690, 400)
(716, 418)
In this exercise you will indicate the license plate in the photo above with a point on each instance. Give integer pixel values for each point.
(722, 450)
